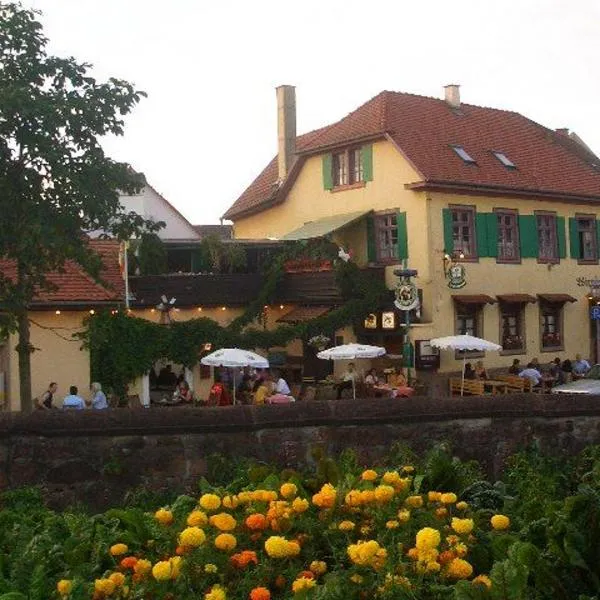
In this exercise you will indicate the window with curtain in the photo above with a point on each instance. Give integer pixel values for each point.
(547, 237)
(586, 238)
(463, 231)
(386, 232)
(508, 236)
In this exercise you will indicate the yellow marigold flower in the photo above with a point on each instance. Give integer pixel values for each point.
(119, 549)
(300, 505)
(210, 568)
(434, 496)
(441, 512)
(197, 518)
(462, 526)
(452, 539)
(500, 522)
(161, 571)
(403, 515)
(367, 554)
(432, 567)
(461, 550)
(230, 502)
(288, 490)
(318, 567)
(428, 538)
(414, 501)
(369, 475)
(210, 502)
(384, 493)
(459, 569)
(216, 592)
(192, 537)
(223, 522)
(413, 553)
(164, 516)
(106, 586)
(175, 566)
(408, 469)
(462, 505)
(244, 497)
(303, 583)
(64, 587)
(356, 579)
(225, 541)
(448, 498)
(365, 529)
(117, 578)
(278, 547)
(325, 498)
(482, 580)
(346, 526)
(142, 567)
(392, 524)
(400, 484)
(427, 555)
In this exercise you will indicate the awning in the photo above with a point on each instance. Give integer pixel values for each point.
(303, 313)
(556, 298)
(516, 298)
(473, 299)
(321, 227)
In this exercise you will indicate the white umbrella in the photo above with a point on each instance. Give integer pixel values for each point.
(351, 352)
(464, 343)
(236, 358)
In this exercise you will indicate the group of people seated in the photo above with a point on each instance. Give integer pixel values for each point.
(73, 400)
(557, 372)
(393, 383)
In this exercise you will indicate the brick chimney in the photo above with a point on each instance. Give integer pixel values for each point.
(452, 95)
(286, 129)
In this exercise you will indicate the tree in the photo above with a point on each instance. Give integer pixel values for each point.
(55, 180)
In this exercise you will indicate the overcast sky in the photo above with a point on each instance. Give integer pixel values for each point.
(210, 68)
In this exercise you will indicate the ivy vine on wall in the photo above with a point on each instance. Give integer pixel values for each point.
(123, 347)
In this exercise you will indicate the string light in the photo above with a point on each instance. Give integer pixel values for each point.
(199, 309)
(223, 308)
(281, 307)
(58, 312)
(152, 310)
(92, 312)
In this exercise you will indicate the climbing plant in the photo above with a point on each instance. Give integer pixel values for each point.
(123, 347)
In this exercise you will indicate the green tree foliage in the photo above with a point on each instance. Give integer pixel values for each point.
(151, 255)
(55, 180)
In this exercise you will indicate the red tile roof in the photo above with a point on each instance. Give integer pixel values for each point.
(547, 162)
(74, 286)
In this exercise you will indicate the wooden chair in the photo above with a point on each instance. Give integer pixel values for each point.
(519, 385)
(470, 387)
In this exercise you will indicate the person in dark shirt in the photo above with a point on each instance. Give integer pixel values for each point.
(470, 372)
(44, 402)
(515, 368)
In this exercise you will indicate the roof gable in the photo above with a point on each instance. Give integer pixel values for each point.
(424, 129)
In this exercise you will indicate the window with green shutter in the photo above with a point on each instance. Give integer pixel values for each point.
(583, 238)
(348, 167)
(367, 162)
(508, 248)
(481, 232)
(460, 231)
(371, 240)
(402, 235)
(562, 239)
(550, 236)
(574, 239)
(448, 237)
(327, 165)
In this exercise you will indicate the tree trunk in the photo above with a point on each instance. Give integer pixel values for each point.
(24, 350)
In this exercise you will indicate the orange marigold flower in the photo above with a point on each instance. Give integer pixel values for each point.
(128, 562)
(446, 556)
(241, 560)
(256, 521)
(260, 593)
(280, 582)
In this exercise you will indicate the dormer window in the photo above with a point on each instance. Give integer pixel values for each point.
(460, 151)
(347, 167)
(509, 164)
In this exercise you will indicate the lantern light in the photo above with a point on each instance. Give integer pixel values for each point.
(58, 312)
(223, 308)
(92, 312)
(199, 309)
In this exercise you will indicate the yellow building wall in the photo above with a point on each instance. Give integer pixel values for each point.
(57, 357)
(488, 277)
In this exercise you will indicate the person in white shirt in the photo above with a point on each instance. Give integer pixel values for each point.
(73, 401)
(349, 379)
(281, 386)
(581, 366)
(532, 374)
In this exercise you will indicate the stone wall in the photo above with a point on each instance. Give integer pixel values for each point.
(95, 457)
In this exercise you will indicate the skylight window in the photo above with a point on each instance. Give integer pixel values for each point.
(464, 154)
(509, 164)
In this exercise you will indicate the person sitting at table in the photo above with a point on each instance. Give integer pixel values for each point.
(532, 374)
(263, 388)
(580, 366)
(349, 379)
(281, 385)
(470, 371)
(556, 371)
(480, 371)
(400, 385)
(371, 377)
(567, 370)
(515, 368)
(182, 394)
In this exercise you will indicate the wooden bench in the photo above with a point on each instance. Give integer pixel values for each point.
(516, 384)
(470, 387)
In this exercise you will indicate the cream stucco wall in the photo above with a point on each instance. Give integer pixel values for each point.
(488, 277)
(57, 357)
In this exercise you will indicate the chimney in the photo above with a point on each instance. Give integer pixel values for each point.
(286, 129)
(452, 95)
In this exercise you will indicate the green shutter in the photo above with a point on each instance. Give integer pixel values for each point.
(448, 236)
(492, 234)
(562, 240)
(574, 238)
(327, 172)
(402, 235)
(371, 241)
(481, 234)
(528, 236)
(367, 162)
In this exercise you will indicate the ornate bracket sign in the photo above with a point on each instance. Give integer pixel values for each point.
(457, 276)
(407, 296)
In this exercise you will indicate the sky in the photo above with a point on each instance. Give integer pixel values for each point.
(210, 69)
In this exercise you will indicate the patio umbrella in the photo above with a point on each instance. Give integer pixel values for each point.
(236, 358)
(464, 343)
(351, 352)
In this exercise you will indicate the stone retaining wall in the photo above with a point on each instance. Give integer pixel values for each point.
(95, 457)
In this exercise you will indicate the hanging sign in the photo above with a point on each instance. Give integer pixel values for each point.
(407, 296)
(457, 277)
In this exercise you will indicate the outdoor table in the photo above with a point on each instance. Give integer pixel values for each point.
(546, 382)
(496, 386)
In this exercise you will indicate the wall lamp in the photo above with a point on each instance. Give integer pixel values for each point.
(450, 260)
